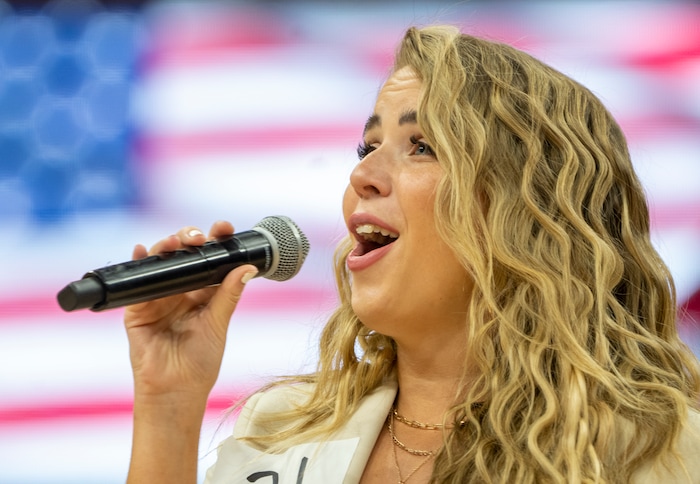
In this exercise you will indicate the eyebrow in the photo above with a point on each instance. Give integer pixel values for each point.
(410, 116)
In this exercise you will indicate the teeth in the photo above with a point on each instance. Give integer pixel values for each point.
(369, 229)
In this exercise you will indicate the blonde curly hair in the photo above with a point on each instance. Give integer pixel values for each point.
(572, 317)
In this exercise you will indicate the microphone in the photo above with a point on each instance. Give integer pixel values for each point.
(275, 245)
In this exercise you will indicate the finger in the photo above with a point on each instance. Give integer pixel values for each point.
(139, 252)
(224, 302)
(167, 244)
(220, 228)
(191, 235)
(200, 297)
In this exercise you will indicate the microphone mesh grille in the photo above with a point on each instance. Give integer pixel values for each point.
(292, 243)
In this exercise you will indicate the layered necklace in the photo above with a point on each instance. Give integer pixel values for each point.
(427, 454)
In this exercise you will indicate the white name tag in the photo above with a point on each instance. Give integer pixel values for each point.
(314, 463)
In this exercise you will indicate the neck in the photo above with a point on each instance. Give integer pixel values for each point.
(430, 376)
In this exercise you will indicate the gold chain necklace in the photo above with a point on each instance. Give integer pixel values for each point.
(428, 454)
(413, 423)
(402, 480)
(403, 446)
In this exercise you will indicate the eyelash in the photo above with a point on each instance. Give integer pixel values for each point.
(364, 149)
(422, 144)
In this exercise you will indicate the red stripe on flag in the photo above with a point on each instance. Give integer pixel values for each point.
(269, 299)
(201, 34)
(177, 145)
(667, 216)
(659, 126)
(36, 412)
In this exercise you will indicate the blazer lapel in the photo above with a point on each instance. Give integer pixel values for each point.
(367, 422)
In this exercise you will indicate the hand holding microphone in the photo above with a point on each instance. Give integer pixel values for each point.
(177, 344)
(275, 245)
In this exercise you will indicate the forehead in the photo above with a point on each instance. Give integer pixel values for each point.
(397, 100)
(403, 86)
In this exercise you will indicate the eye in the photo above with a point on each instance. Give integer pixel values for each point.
(364, 149)
(420, 147)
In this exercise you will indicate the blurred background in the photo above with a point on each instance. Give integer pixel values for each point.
(120, 122)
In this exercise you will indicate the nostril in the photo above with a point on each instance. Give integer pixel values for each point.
(370, 190)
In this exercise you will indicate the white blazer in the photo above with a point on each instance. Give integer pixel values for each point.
(342, 458)
(339, 460)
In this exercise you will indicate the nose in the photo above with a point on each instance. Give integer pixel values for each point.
(370, 177)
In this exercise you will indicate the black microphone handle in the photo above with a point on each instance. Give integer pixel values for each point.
(170, 273)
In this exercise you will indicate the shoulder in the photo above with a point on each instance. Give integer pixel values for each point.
(689, 445)
(274, 410)
(276, 400)
(280, 398)
(685, 468)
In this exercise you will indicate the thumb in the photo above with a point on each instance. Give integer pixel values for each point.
(226, 298)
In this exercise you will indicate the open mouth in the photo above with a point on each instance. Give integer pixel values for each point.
(372, 237)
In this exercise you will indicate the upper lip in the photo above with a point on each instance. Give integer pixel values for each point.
(358, 219)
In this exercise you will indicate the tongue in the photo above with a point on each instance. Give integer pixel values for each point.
(369, 246)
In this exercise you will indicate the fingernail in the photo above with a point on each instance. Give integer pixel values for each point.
(248, 276)
(194, 233)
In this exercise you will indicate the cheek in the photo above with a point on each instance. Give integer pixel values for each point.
(419, 201)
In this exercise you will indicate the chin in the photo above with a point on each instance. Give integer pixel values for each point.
(376, 321)
(370, 317)
(377, 309)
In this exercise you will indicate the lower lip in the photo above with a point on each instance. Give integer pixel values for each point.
(360, 262)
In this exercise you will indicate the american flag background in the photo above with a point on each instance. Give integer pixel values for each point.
(121, 122)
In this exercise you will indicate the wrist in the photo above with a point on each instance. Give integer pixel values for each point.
(166, 437)
(172, 405)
